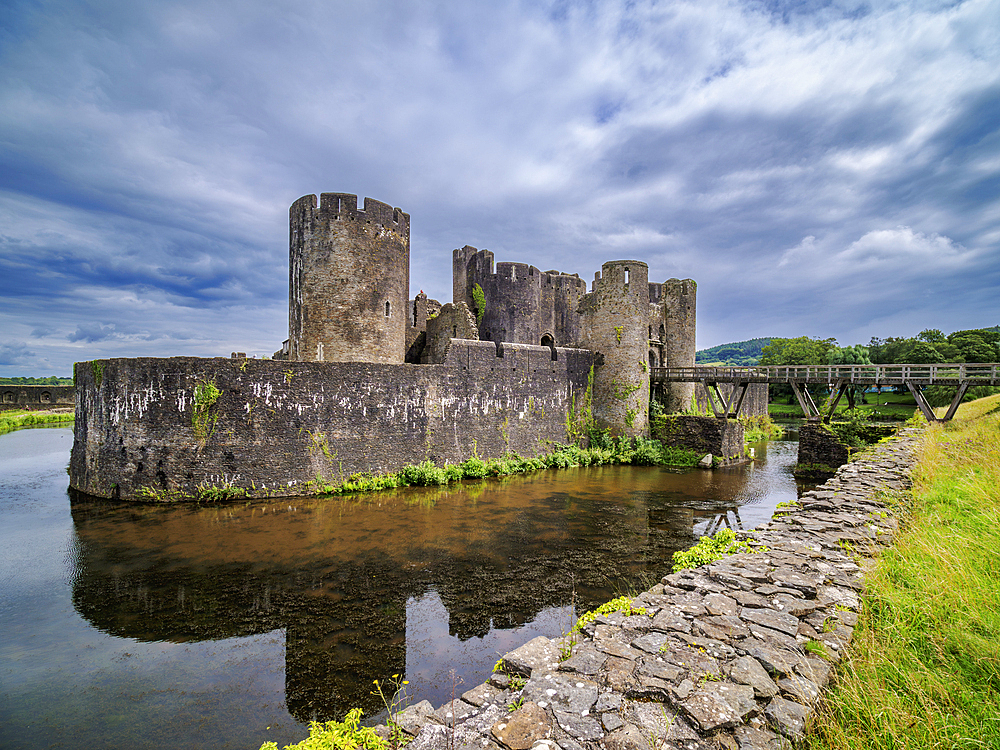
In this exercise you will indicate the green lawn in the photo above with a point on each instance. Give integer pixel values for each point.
(885, 405)
(15, 418)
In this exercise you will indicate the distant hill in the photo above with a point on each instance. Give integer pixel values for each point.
(737, 354)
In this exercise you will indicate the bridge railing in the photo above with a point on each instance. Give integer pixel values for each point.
(974, 373)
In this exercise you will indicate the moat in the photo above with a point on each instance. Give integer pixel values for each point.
(186, 626)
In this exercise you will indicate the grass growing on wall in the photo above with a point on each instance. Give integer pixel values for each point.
(12, 420)
(924, 669)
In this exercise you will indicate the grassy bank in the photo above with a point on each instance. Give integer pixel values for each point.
(924, 667)
(880, 406)
(11, 420)
(638, 451)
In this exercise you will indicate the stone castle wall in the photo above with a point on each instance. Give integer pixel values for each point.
(723, 438)
(36, 396)
(523, 305)
(276, 426)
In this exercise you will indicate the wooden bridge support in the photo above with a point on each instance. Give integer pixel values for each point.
(730, 406)
(806, 402)
(815, 414)
(925, 407)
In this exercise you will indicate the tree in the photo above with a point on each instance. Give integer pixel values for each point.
(977, 345)
(922, 353)
(931, 336)
(798, 351)
(848, 355)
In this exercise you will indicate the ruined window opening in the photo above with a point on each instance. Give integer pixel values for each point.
(548, 341)
(414, 313)
(626, 277)
(387, 308)
(46, 397)
(651, 332)
(454, 331)
(652, 359)
(663, 333)
(8, 398)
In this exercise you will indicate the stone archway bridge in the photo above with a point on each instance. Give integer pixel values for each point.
(839, 378)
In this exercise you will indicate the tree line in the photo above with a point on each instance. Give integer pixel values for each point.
(51, 380)
(930, 346)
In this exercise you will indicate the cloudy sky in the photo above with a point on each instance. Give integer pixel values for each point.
(820, 168)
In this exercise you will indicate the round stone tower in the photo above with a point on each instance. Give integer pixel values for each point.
(679, 346)
(348, 280)
(615, 327)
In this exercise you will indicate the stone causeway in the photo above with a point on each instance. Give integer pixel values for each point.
(734, 654)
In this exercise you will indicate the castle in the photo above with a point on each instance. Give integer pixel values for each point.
(349, 280)
(370, 380)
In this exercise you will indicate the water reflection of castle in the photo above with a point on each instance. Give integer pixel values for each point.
(336, 574)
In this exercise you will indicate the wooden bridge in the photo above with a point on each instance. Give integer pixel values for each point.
(838, 378)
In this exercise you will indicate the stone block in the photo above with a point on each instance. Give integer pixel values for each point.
(538, 653)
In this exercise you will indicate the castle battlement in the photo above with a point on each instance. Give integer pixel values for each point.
(671, 287)
(481, 263)
(518, 272)
(344, 206)
(623, 276)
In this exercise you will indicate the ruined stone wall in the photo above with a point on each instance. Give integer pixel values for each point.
(453, 321)
(614, 327)
(723, 438)
(349, 275)
(419, 311)
(559, 316)
(276, 426)
(820, 447)
(523, 305)
(35, 396)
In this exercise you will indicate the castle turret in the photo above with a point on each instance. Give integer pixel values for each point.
(679, 344)
(615, 327)
(349, 274)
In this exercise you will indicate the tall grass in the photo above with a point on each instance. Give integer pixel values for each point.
(924, 667)
(12, 420)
